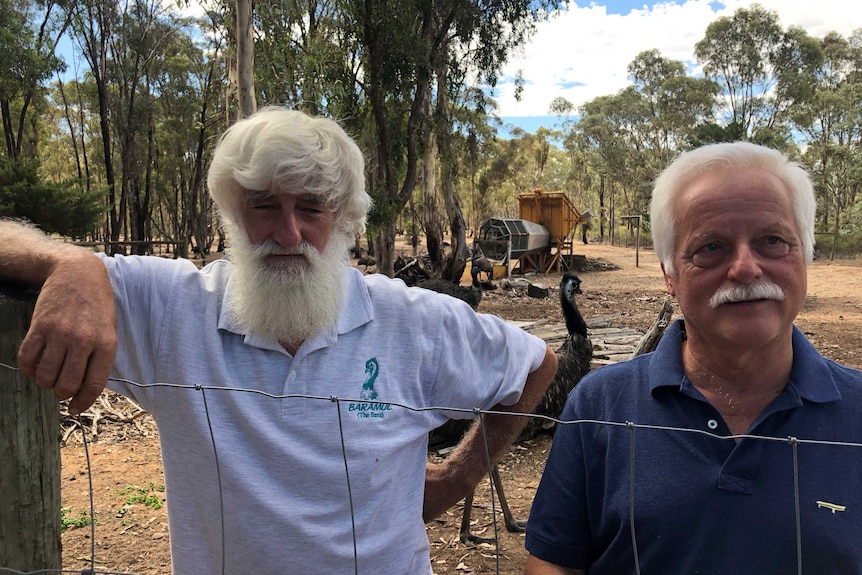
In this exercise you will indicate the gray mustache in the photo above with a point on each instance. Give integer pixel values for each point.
(272, 248)
(746, 293)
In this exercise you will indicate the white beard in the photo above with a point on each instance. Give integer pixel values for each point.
(288, 304)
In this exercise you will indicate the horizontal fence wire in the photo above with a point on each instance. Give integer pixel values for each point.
(479, 414)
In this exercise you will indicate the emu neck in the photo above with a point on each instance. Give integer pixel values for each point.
(574, 320)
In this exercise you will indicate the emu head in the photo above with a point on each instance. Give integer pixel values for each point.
(569, 286)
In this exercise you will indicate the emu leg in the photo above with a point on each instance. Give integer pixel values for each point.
(466, 536)
(512, 525)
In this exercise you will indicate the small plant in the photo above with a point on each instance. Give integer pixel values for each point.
(70, 522)
(146, 496)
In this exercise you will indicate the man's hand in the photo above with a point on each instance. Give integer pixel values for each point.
(72, 340)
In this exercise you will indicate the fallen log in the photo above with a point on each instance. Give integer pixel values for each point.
(651, 338)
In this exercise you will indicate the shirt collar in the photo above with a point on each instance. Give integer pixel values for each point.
(810, 376)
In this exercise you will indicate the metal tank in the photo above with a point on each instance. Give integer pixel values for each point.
(501, 238)
(541, 239)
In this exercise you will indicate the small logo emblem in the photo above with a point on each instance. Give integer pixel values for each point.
(831, 506)
(369, 409)
(371, 370)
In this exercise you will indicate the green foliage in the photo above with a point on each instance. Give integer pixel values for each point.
(149, 496)
(71, 522)
(712, 133)
(847, 243)
(64, 208)
(763, 70)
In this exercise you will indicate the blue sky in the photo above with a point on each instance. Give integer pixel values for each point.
(583, 53)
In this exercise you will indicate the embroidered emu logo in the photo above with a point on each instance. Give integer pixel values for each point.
(371, 370)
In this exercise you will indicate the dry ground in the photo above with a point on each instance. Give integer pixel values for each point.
(131, 534)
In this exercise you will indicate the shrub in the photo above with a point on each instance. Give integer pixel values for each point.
(65, 208)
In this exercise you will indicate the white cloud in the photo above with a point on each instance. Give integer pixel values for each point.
(583, 53)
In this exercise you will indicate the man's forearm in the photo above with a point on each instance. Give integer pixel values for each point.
(452, 480)
(72, 340)
(500, 431)
(27, 255)
(536, 566)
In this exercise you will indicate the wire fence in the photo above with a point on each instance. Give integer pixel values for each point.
(337, 402)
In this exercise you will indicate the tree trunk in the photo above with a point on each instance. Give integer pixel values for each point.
(433, 228)
(245, 58)
(384, 249)
(456, 262)
(8, 130)
(72, 137)
(602, 208)
(651, 338)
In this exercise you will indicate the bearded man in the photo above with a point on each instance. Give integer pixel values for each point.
(290, 391)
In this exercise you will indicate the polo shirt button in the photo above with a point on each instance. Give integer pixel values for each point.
(712, 424)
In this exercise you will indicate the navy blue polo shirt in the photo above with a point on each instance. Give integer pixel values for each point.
(648, 459)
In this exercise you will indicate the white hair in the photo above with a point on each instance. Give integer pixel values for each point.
(281, 149)
(721, 157)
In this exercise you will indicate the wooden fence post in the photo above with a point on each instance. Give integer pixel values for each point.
(29, 452)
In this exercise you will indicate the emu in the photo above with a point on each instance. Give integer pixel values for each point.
(471, 295)
(574, 357)
(480, 264)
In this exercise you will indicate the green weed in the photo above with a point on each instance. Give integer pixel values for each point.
(144, 496)
(71, 522)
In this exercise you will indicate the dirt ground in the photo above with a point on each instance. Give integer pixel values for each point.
(131, 531)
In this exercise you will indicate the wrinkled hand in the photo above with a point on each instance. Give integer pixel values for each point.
(72, 340)
(443, 488)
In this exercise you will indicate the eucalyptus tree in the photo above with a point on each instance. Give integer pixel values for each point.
(496, 186)
(73, 113)
(404, 45)
(756, 63)
(831, 121)
(245, 58)
(581, 161)
(92, 24)
(477, 142)
(138, 49)
(306, 58)
(672, 104)
(189, 118)
(621, 142)
(64, 125)
(664, 108)
(28, 39)
(609, 126)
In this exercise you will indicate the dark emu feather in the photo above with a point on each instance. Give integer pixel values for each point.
(574, 358)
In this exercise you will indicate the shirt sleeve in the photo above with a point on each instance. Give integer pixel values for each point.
(484, 361)
(142, 292)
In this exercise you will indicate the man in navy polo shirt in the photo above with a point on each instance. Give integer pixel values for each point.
(734, 448)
